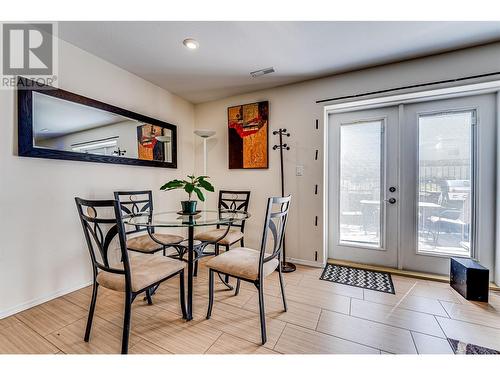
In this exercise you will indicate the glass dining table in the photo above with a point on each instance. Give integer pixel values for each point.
(194, 249)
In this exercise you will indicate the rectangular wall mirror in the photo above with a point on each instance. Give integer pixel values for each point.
(57, 124)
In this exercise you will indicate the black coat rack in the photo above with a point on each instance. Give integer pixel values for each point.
(285, 266)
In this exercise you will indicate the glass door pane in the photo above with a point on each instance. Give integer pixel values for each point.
(445, 185)
(361, 177)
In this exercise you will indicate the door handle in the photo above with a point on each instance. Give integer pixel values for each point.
(391, 200)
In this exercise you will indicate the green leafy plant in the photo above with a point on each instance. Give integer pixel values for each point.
(194, 185)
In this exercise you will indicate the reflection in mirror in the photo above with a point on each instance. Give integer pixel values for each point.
(68, 126)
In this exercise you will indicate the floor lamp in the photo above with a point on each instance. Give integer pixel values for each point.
(166, 140)
(204, 134)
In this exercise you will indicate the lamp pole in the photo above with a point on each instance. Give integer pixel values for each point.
(204, 134)
(204, 156)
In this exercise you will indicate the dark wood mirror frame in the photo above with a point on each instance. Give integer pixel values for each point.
(25, 90)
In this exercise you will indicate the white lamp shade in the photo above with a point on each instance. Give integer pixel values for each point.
(204, 133)
(163, 138)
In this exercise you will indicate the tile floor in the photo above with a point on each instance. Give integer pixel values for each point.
(322, 317)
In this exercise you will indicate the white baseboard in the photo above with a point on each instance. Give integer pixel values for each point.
(37, 301)
(302, 262)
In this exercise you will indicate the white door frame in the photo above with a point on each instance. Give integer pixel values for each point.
(393, 100)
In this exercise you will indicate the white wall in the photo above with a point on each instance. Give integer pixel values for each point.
(294, 108)
(42, 251)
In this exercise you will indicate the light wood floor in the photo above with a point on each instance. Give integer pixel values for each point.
(323, 317)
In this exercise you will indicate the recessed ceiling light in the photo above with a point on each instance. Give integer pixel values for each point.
(44, 130)
(190, 43)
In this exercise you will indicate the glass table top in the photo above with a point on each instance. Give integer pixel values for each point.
(174, 219)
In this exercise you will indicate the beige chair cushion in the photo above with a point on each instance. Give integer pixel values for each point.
(242, 262)
(231, 237)
(146, 244)
(145, 270)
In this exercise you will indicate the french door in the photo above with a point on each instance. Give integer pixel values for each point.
(448, 173)
(409, 185)
(363, 161)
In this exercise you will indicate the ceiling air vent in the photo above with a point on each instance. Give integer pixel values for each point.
(262, 72)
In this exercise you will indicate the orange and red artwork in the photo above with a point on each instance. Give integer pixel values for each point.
(149, 148)
(248, 127)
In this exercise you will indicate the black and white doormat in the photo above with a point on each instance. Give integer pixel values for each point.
(373, 280)
(460, 347)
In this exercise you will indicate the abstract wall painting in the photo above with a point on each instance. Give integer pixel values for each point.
(248, 127)
(149, 148)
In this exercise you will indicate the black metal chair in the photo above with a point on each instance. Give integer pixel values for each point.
(451, 221)
(254, 265)
(140, 202)
(233, 200)
(102, 222)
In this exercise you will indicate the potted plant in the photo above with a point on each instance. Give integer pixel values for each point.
(194, 185)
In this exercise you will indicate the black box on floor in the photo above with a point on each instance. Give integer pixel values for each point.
(470, 279)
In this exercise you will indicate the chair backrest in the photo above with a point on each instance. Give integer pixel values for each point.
(133, 203)
(102, 221)
(275, 220)
(234, 200)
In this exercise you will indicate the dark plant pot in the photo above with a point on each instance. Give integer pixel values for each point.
(188, 207)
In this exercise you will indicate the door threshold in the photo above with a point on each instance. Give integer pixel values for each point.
(398, 272)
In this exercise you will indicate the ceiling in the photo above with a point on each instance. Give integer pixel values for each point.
(229, 51)
(59, 117)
